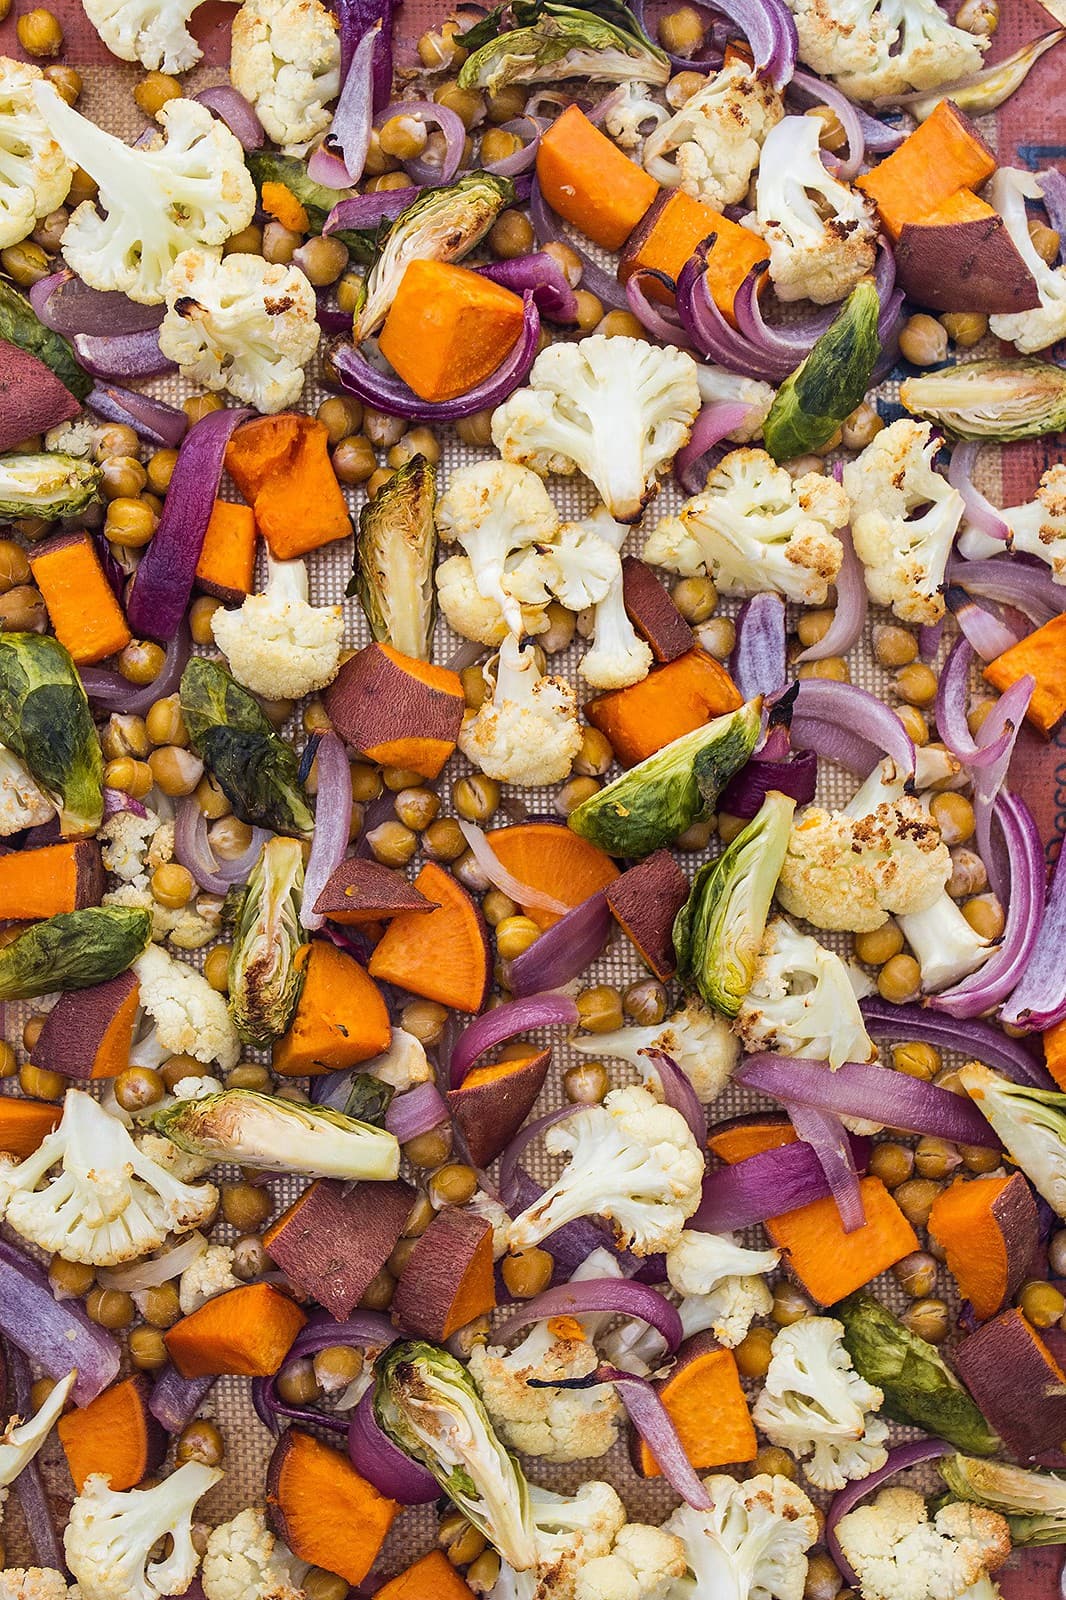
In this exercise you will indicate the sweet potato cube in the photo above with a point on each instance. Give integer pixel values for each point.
(325, 1511)
(282, 467)
(962, 258)
(945, 153)
(494, 1101)
(651, 609)
(51, 879)
(1042, 654)
(988, 1228)
(670, 232)
(340, 1018)
(396, 710)
(32, 399)
(589, 182)
(1055, 1053)
(89, 1032)
(704, 1400)
(830, 1263)
(337, 1236)
(82, 608)
(247, 1331)
(644, 902)
(1017, 1383)
(432, 1576)
(362, 890)
(448, 1278)
(448, 328)
(24, 1123)
(672, 700)
(226, 567)
(442, 955)
(115, 1434)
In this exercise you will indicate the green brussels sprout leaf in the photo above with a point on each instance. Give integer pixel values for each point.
(395, 549)
(264, 982)
(830, 382)
(45, 720)
(20, 324)
(74, 950)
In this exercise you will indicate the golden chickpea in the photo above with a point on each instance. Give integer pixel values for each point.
(141, 661)
(66, 81)
(717, 636)
(978, 16)
(416, 808)
(599, 1009)
(968, 874)
(965, 328)
(515, 934)
(573, 793)
(914, 723)
(173, 886)
(248, 1075)
(148, 1352)
(681, 31)
(14, 567)
(753, 1352)
(589, 310)
(1041, 1304)
(377, 1296)
(130, 522)
(527, 1273)
(200, 1441)
(621, 325)
(567, 259)
(864, 424)
(892, 1163)
(916, 1059)
(440, 49)
(50, 230)
(210, 799)
(442, 840)
(164, 723)
(916, 1274)
(695, 598)
(398, 778)
(923, 341)
(39, 33)
(132, 777)
(249, 242)
(392, 844)
(246, 1206)
(790, 1305)
(497, 145)
(377, 481)
(832, 667)
(831, 135)
(894, 646)
(916, 684)
(70, 1279)
(812, 626)
(160, 1306)
(511, 235)
(823, 1581)
(900, 980)
(82, 187)
(504, 105)
(216, 968)
(483, 1574)
(429, 1150)
(403, 136)
(110, 1308)
(468, 106)
(929, 1319)
(354, 460)
(424, 1019)
(176, 771)
(586, 1084)
(122, 476)
(476, 797)
(198, 406)
(25, 262)
(415, 442)
(321, 260)
(729, 826)
(22, 610)
(559, 634)
(136, 1088)
(318, 1584)
(985, 916)
(1046, 241)
(32, 1029)
(915, 1199)
(935, 1158)
(340, 415)
(124, 736)
(39, 1083)
(475, 429)
(366, 782)
(595, 755)
(681, 88)
(645, 1002)
(280, 244)
(8, 1060)
(154, 91)
(452, 1185)
(954, 815)
(469, 1545)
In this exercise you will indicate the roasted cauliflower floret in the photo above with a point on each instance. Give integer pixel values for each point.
(711, 146)
(751, 1544)
(881, 49)
(496, 511)
(34, 171)
(527, 731)
(479, 617)
(1037, 528)
(900, 1553)
(698, 1039)
(904, 555)
(804, 1000)
(244, 1561)
(110, 1536)
(276, 642)
(153, 33)
(754, 528)
(1046, 323)
(285, 57)
(557, 1424)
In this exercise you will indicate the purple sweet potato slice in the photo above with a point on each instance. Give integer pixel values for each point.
(395, 710)
(88, 1032)
(365, 891)
(336, 1237)
(56, 1334)
(651, 609)
(494, 1101)
(32, 399)
(448, 1278)
(1017, 1383)
(644, 902)
(989, 1230)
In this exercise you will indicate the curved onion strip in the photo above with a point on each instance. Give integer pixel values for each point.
(757, 665)
(270, 1408)
(1039, 1001)
(383, 1463)
(818, 92)
(193, 849)
(348, 138)
(652, 1421)
(987, 634)
(520, 160)
(714, 423)
(152, 420)
(658, 321)
(158, 1269)
(1000, 731)
(766, 1185)
(1012, 582)
(542, 276)
(415, 1112)
(795, 775)
(621, 1297)
(548, 229)
(236, 112)
(833, 743)
(858, 711)
(849, 618)
(677, 1091)
(329, 170)
(828, 1138)
(972, 1036)
(498, 875)
(131, 356)
(564, 950)
(30, 1487)
(899, 1459)
(510, 1170)
(333, 822)
(952, 706)
(503, 1023)
(68, 306)
(980, 512)
(364, 211)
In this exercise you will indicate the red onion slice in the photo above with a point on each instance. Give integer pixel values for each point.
(678, 1093)
(1039, 1001)
(952, 705)
(416, 1112)
(57, 1334)
(29, 1484)
(828, 1138)
(766, 1185)
(817, 92)
(175, 1400)
(523, 159)
(68, 306)
(549, 229)
(543, 277)
(270, 1408)
(860, 1089)
(796, 775)
(236, 112)
(110, 691)
(973, 1038)
(858, 711)
(349, 134)
(899, 1459)
(987, 634)
(849, 618)
(327, 169)
(980, 513)
(1053, 187)
(122, 355)
(1012, 582)
(505, 881)
(658, 320)
(833, 743)
(714, 423)
(999, 731)
(352, 372)
(193, 849)
(370, 1330)
(652, 1421)
(152, 420)
(505, 1022)
(714, 337)
(361, 212)
(564, 950)
(333, 823)
(621, 1297)
(383, 1463)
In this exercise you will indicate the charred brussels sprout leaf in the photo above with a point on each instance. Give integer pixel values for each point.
(264, 984)
(20, 324)
(48, 484)
(262, 1130)
(368, 1099)
(719, 930)
(991, 399)
(45, 719)
(394, 552)
(440, 225)
(830, 382)
(600, 42)
(660, 797)
(74, 950)
(918, 1385)
(256, 771)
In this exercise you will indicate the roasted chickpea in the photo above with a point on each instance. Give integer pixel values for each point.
(428, 1150)
(176, 771)
(132, 777)
(894, 646)
(39, 33)
(200, 1441)
(468, 106)
(917, 1060)
(863, 426)
(476, 797)
(160, 1306)
(681, 31)
(452, 1185)
(954, 815)
(985, 916)
(246, 1206)
(280, 244)
(424, 1019)
(573, 793)
(717, 636)
(136, 1088)
(321, 260)
(40, 1083)
(589, 310)
(527, 1273)
(753, 1352)
(22, 610)
(198, 406)
(66, 81)
(812, 626)
(354, 460)
(154, 90)
(141, 661)
(892, 1163)
(929, 1319)
(148, 1352)
(110, 1308)
(923, 341)
(900, 979)
(645, 1002)
(70, 1279)
(586, 1084)
(965, 328)
(695, 598)
(978, 16)
(599, 1009)
(130, 521)
(475, 429)
(916, 684)
(915, 1199)
(511, 235)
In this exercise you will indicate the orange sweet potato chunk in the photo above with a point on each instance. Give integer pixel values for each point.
(448, 329)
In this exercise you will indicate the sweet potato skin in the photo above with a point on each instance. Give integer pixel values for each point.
(651, 609)
(448, 1278)
(88, 1032)
(396, 710)
(32, 399)
(670, 232)
(362, 890)
(1017, 1383)
(337, 1236)
(644, 902)
(964, 265)
(323, 1509)
(51, 879)
(489, 1109)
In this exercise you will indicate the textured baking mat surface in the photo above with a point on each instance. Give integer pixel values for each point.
(1029, 131)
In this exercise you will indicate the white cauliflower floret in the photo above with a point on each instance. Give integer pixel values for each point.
(711, 146)
(632, 1161)
(493, 509)
(815, 1404)
(721, 1282)
(717, 384)
(754, 528)
(157, 35)
(241, 324)
(1037, 528)
(125, 838)
(194, 190)
(181, 1164)
(276, 642)
(617, 410)
(285, 57)
(617, 656)
(109, 1536)
(190, 1017)
(22, 803)
(696, 1037)
(34, 171)
(1046, 323)
(527, 732)
(629, 112)
(34, 1583)
(822, 234)
(583, 564)
(479, 617)
(186, 927)
(556, 1424)
(851, 872)
(804, 1000)
(244, 1561)
(210, 1274)
(900, 1554)
(751, 1545)
(109, 1202)
(77, 438)
(904, 556)
(403, 1064)
(880, 49)
(643, 1564)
